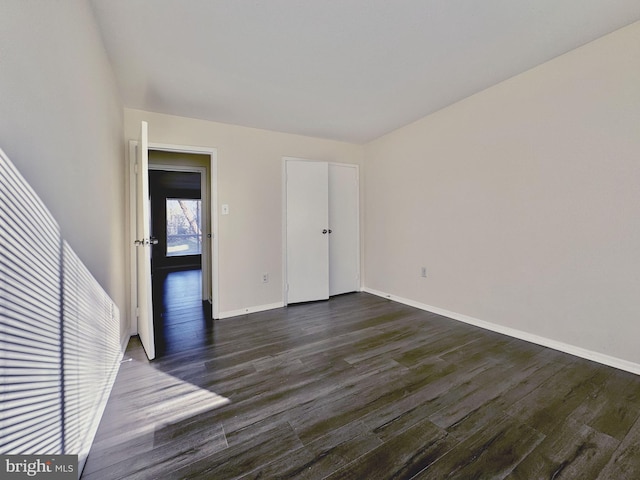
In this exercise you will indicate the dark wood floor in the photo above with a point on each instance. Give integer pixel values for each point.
(359, 387)
(181, 319)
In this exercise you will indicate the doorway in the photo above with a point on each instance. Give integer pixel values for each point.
(184, 250)
(181, 307)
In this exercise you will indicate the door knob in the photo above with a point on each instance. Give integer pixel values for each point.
(143, 242)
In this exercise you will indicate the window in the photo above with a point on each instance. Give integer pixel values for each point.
(184, 227)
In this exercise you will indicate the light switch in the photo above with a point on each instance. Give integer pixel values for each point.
(225, 209)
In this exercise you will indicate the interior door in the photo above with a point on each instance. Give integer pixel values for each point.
(307, 230)
(344, 261)
(143, 245)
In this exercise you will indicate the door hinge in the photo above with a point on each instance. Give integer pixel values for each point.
(135, 168)
(137, 312)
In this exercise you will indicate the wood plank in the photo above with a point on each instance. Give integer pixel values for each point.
(403, 456)
(241, 456)
(326, 454)
(624, 464)
(571, 451)
(504, 379)
(612, 414)
(491, 453)
(159, 461)
(552, 403)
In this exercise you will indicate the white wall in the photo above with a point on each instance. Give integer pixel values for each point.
(522, 201)
(61, 125)
(250, 182)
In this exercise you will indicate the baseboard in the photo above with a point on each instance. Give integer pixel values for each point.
(245, 311)
(512, 332)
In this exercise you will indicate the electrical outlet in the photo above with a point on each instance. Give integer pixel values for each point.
(423, 272)
(265, 278)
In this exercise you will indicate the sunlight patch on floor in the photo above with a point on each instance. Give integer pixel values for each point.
(165, 400)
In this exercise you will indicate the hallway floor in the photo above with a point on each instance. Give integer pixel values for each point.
(181, 319)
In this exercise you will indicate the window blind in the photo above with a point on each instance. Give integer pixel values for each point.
(91, 336)
(59, 331)
(30, 337)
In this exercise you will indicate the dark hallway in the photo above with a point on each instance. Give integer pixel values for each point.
(181, 319)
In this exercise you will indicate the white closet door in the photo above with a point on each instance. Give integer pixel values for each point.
(307, 224)
(143, 242)
(344, 261)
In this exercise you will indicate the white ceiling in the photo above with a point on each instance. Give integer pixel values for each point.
(342, 69)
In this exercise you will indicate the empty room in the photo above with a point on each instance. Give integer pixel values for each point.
(323, 239)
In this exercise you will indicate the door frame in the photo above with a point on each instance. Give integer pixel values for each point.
(213, 202)
(284, 219)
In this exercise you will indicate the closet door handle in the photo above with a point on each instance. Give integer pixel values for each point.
(330, 231)
(324, 232)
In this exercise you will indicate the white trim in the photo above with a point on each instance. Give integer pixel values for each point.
(283, 222)
(248, 310)
(213, 171)
(512, 332)
(133, 290)
(169, 147)
(215, 234)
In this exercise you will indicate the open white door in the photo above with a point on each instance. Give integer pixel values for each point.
(143, 245)
(307, 224)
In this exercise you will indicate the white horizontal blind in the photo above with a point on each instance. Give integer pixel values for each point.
(59, 332)
(30, 335)
(91, 352)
